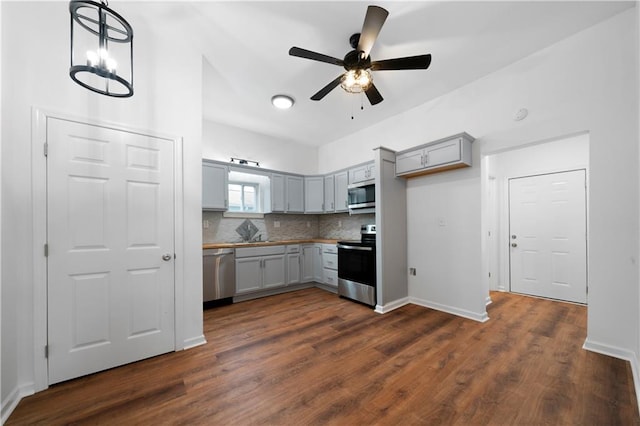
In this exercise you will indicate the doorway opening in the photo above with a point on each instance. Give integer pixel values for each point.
(500, 171)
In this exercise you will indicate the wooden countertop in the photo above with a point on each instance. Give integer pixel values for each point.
(267, 243)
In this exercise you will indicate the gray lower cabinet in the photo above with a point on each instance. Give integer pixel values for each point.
(260, 268)
(294, 264)
(318, 275)
(312, 269)
(330, 265)
(308, 253)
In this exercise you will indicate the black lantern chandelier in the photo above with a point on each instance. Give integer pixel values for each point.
(101, 49)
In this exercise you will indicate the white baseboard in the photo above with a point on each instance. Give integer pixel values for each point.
(194, 341)
(11, 402)
(488, 301)
(480, 317)
(383, 309)
(619, 353)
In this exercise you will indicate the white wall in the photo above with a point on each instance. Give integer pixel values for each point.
(567, 90)
(167, 100)
(221, 142)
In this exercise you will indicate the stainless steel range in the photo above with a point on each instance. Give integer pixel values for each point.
(357, 267)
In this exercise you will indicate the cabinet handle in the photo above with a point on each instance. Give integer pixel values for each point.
(426, 159)
(331, 206)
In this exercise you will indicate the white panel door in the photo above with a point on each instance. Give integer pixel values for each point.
(110, 236)
(547, 238)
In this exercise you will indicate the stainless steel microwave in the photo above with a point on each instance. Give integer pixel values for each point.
(362, 195)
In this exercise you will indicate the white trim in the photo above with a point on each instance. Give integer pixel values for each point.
(480, 317)
(488, 300)
(178, 199)
(39, 187)
(194, 341)
(388, 307)
(13, 399)
(39, 212)
(620, 353)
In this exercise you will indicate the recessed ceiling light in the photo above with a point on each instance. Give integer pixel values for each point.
(282, 101)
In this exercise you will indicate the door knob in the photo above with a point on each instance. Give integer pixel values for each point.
(166, 257)
(514, 245)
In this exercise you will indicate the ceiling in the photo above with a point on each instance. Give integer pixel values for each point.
(246, 46)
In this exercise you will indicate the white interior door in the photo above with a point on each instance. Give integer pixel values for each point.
(547, 235)
(110, 237)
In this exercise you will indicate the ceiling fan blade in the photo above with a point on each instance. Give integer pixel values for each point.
(326, 89)
(373, 95)
(408, 63)
(308, 54)
(373, 21)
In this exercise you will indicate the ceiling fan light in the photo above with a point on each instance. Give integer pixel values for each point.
(282, 101)
(356, 81)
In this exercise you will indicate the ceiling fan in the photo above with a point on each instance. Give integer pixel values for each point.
(357, 63)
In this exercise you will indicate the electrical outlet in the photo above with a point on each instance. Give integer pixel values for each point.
(276, 224)
(442, 222)
(205, 224)
(339, 224)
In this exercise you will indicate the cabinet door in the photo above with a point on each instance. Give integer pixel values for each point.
(214, 186)
(294, 268)
(341, 193)
(358, 174)
(313, 194)
(331, 277)
(409, 161)
(248, 274)
(308, 252)
(295, 194)
(442, 153)
(371, 171)
(318, 273)
(277, 193)
(329, 194)
(273, 271)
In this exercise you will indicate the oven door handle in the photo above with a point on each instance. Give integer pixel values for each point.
(340, 246)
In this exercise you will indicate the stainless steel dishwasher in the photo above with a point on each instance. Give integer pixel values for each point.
(218, 275)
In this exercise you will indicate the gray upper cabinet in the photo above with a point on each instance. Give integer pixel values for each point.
(362, 173)
(215, 179)
(329, 194)
(444, 154)
(314, 194)
(341, 197)
(295, 194)
(278, 197)
(287, 193)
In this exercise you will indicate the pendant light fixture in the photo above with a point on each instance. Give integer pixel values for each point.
(101, 49)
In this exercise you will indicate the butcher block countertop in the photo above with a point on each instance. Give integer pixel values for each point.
(266, 243)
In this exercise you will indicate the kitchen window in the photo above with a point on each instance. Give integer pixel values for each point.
(243, 197)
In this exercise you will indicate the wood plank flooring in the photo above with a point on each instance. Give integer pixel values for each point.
(311, 358)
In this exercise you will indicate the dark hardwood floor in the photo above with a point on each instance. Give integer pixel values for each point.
(309, 357)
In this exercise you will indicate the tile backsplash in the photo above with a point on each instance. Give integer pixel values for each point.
(339, 226)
